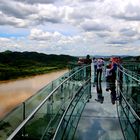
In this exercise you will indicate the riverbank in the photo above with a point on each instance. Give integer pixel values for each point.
(21, 64)
(22, 77)
(14, 92)
(15, 73)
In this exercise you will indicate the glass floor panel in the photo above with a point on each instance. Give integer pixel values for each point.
(99, 119)
(92, 128)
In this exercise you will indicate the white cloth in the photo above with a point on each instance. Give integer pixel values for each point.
(107, 73)
(100, 64)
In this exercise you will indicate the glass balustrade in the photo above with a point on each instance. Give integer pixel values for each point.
(129, 103)
(68, 124)
(54, 112)
(133, 67)
(10, 122)
(50, 102)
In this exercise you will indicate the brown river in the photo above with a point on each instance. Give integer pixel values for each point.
(14, 92)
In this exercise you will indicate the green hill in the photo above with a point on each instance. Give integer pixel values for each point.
(20, 64)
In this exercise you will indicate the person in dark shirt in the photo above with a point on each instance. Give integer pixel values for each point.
(113, 69)
(88, 60)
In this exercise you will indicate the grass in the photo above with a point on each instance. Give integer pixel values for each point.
(8, 73)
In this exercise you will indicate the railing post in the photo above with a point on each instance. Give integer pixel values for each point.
(62, 97)
(89, 90)
(52, 86)
(69, 89)
(137, 126)
(24, 116)
(85, 73)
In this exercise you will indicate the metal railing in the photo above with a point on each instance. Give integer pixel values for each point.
(13, 119)
(57, 114)
(132, 66)
(70, 120)
(46, 116)
(128, 89)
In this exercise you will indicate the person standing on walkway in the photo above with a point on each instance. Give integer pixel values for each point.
(94, 62)
(88, 60)
(100, 64)
(113, 69)
(108, 75)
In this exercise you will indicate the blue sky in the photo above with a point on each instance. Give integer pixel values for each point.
(74, 27)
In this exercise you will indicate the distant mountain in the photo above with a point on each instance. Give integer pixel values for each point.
(122, 56)
(133, 58)
(23, 59)
(19, 64)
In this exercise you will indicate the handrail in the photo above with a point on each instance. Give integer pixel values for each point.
(39, 106)
(131, 109)
(66, 112)
(134, 73)
(128, 74)
(29, 98)
(130, 71)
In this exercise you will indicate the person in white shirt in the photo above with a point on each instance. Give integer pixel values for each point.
(95, 64)
(100, 64)
(108, 75)
(108, 72)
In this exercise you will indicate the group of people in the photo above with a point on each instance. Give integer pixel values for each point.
(100, 67)
(110, 75)
(110, 69)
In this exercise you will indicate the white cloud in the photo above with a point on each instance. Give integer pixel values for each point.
(94, 25)
(128, 32)
(17, 9)
(37, 1)
(9, 20)
(129, 12)
(7, 44)
(74, 27)
(33, 14)
(37, 34)
(4, 40)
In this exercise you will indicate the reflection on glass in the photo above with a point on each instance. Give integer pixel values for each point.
(100, 97)
(129, 96)
(110, 86)
(113, 92)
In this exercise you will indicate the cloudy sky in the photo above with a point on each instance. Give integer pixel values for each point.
(74, 27)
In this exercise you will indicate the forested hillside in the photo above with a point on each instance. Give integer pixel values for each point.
(20, 64)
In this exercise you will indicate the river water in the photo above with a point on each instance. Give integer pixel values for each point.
(14, 92)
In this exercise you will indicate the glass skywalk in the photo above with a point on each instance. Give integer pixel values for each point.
(99, 120)
(71, 108)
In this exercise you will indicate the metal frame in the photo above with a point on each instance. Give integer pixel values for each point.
(128, 74)
(129, 108)
(40, 105)
(66, 112)
(134, 114)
